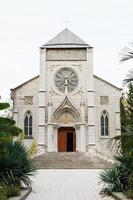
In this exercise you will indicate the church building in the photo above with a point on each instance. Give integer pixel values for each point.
(66, 108)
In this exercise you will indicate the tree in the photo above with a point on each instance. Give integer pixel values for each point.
(7, 126)
(127, 54)
(130, 105)
(123, 114)
(120, 176)
(4, 106)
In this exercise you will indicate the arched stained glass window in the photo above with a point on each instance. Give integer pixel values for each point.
(28, 124)
(104, 124)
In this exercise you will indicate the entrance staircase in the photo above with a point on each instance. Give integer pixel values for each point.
(70, 160)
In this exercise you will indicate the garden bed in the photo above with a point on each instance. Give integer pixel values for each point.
(23, 194)
(121, 196)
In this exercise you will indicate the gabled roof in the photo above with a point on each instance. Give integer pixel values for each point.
(99, 78)
(36, 77)
(66, 39)
(21, 85)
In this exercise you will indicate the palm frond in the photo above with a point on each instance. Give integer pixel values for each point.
(129, 77)
(126, 53)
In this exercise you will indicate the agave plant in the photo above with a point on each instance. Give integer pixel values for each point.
(118, 177)
(16, 167)
(111, 179)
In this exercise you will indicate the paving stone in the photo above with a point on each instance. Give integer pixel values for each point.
(66, 184)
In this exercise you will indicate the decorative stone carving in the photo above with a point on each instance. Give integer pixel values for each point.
(52, 67)
(78, 66)
(104, 100)
(28, 100)
(66, 118)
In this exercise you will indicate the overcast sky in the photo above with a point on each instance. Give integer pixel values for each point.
(25, 25)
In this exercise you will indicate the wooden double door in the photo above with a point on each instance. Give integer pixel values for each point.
(66, 139)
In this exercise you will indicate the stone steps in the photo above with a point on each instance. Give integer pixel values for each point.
(70, 160)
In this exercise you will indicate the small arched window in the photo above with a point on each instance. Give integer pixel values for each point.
(28, 123)
(104, 124)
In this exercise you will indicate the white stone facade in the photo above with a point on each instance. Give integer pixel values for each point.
(80, 109)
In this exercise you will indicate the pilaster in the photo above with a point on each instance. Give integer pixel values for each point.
(90, 98)
(42, 99)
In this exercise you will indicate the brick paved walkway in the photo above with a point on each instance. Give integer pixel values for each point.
(66, 185)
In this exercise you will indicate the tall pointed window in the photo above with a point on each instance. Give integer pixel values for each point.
(104, 124)
(28, 123)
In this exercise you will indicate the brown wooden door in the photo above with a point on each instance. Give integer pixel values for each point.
(64, 135)
(62, 140)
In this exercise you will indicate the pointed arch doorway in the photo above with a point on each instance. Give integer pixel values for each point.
(66, 139)
(66, 116)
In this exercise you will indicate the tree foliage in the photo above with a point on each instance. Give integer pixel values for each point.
(130, 104)
(8, 128)
(120, 176)
(123, 114)
(4, 106)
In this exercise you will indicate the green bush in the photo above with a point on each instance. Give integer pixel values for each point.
(3, 193)
(3, 197)
(129, 194)
(13, 191)
(16, 167)
(6, 192)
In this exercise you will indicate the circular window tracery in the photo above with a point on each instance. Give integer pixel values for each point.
(66, 80)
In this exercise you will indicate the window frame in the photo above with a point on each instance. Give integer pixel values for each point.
(104, 125)
(28, 125)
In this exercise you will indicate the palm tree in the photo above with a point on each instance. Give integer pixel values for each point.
(125, 55)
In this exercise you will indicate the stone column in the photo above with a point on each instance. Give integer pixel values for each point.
(82, 138)
(82, 111)
(50, 137)
(90, 98)
(55, 126)
(77, 130)
(50, 109)
(82, 128)
(42, 99)
(50, 129)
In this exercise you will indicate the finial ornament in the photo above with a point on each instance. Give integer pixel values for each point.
(66, 23)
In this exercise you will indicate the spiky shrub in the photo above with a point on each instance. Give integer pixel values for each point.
(111, 179)
(16, 167)
(117, 178)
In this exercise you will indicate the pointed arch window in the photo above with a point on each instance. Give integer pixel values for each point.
(28, 124)
(104, 124)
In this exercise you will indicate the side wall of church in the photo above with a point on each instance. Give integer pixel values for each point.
(26, 98)
(107, 97)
